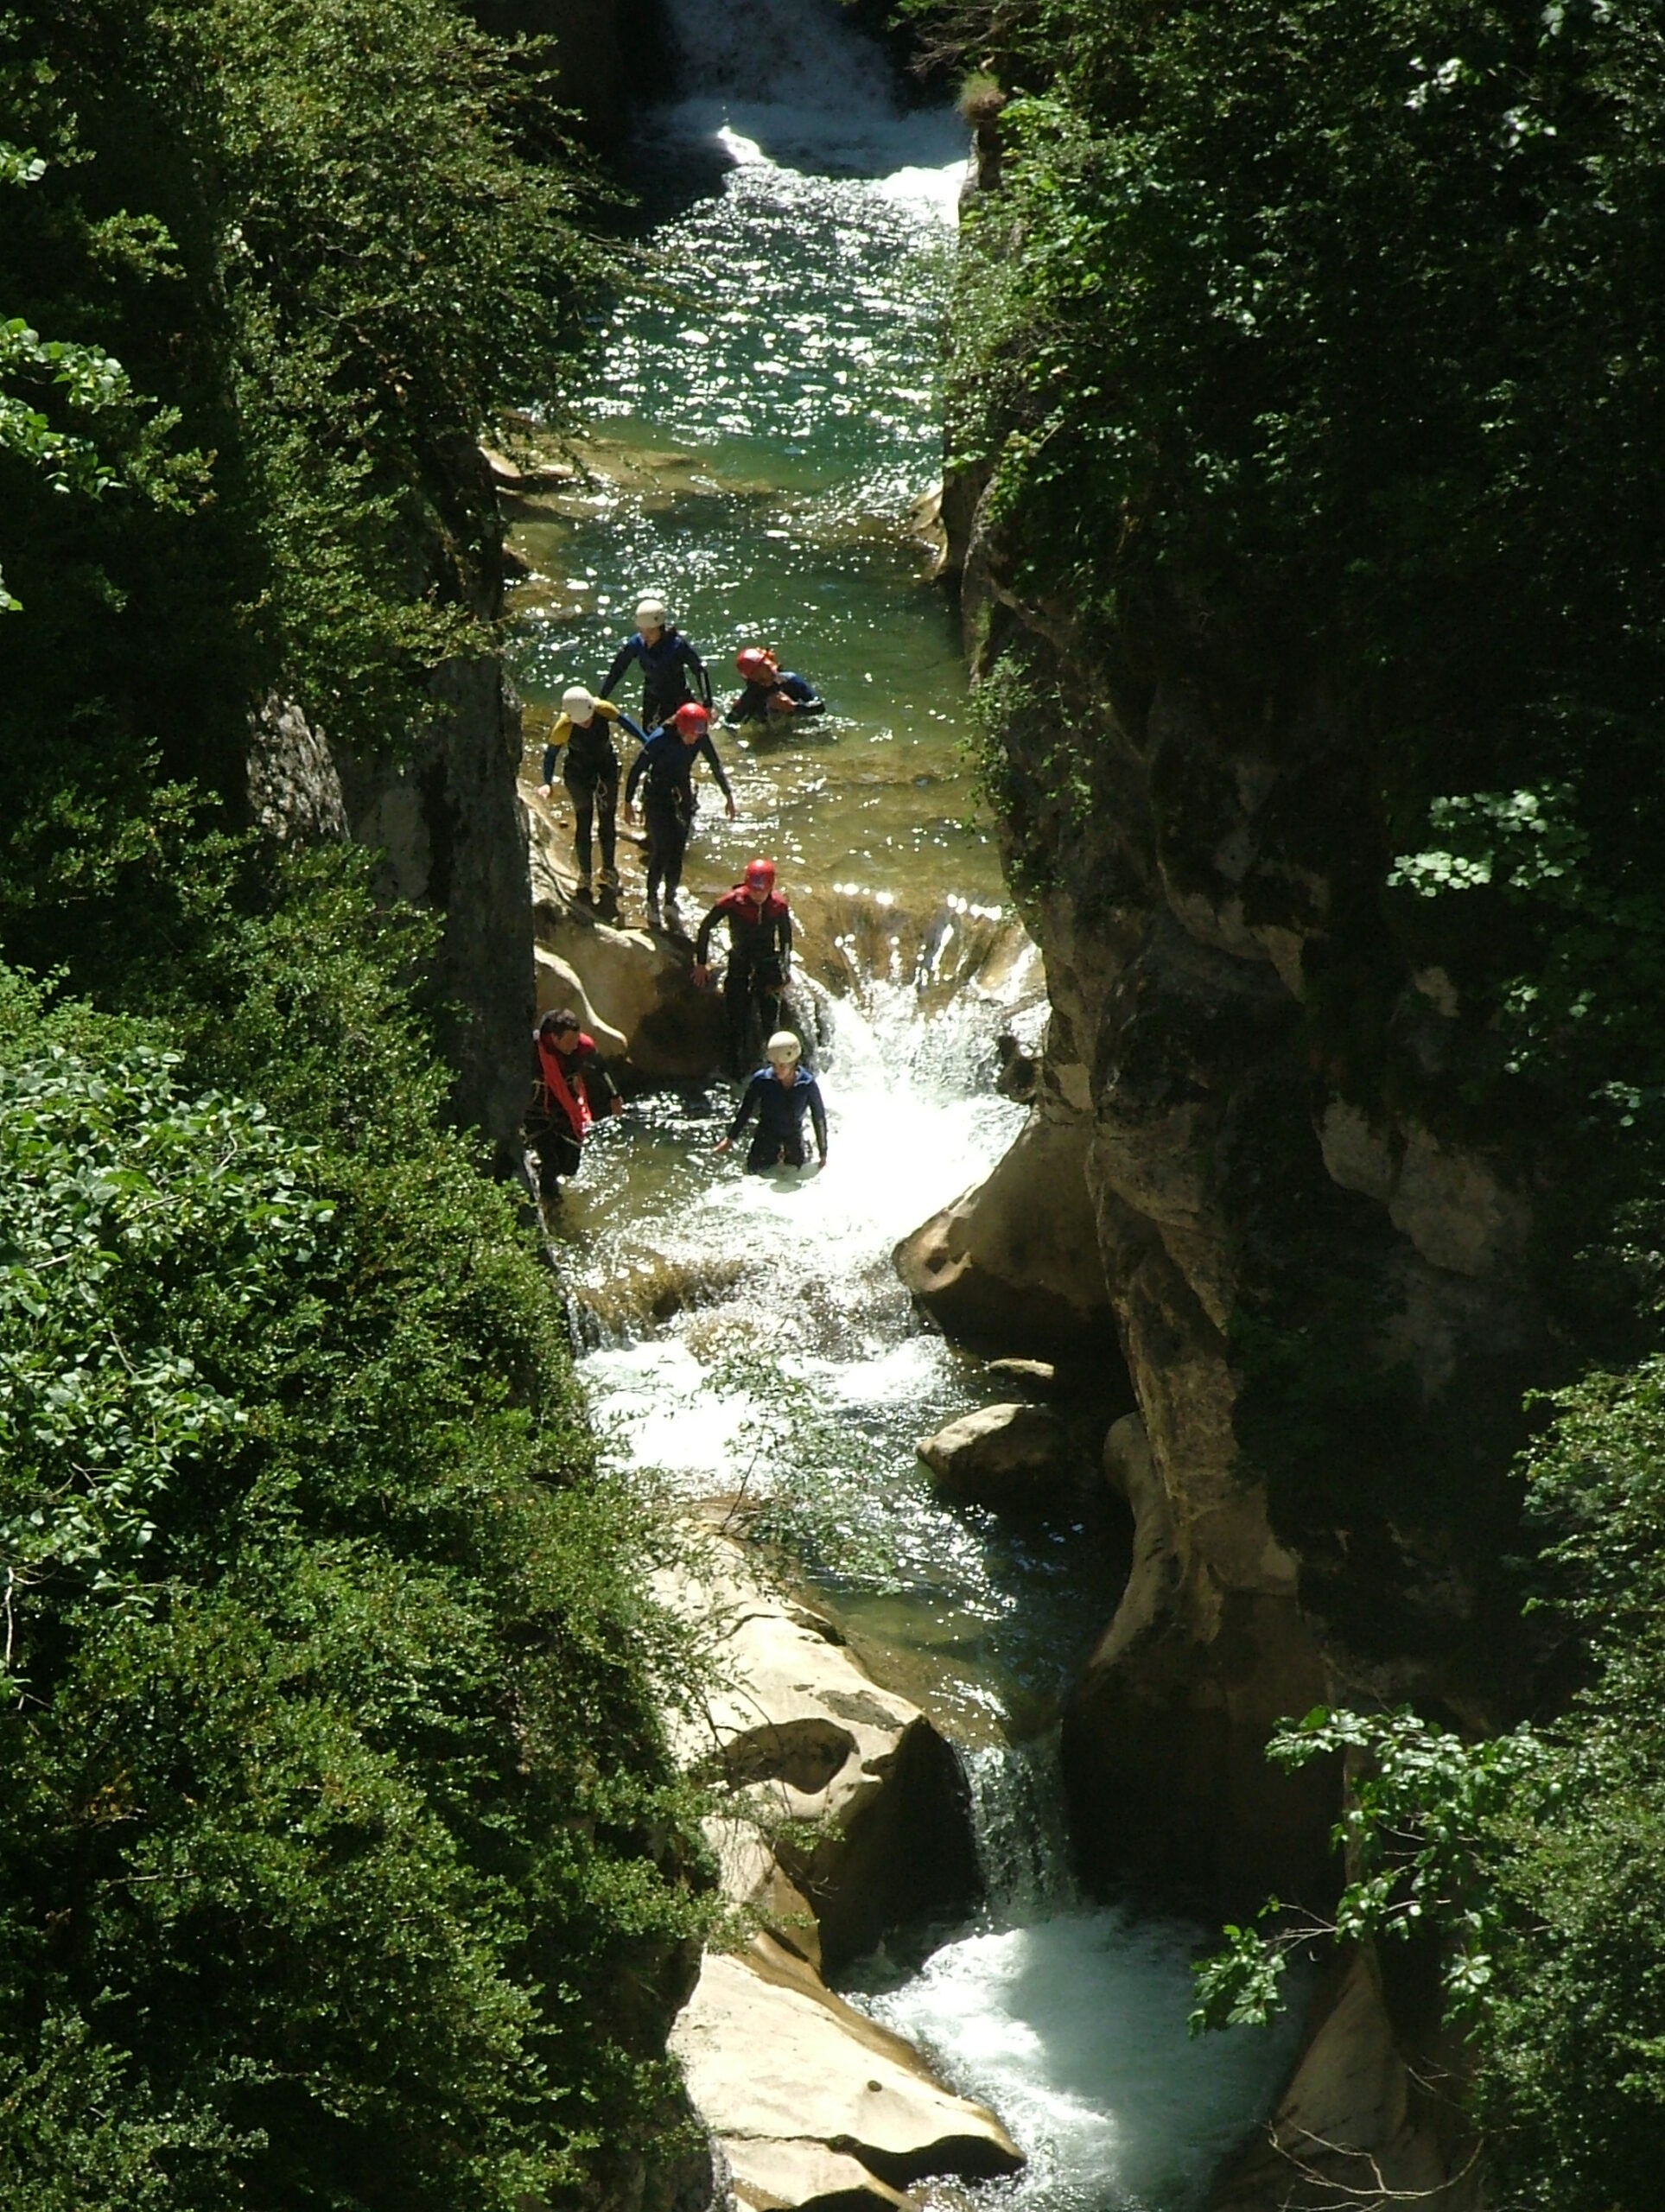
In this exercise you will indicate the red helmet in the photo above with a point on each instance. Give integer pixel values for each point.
(760, 871)
(691, 719)
(756, 663)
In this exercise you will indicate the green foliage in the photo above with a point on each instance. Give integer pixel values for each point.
(341, 1827)
(1311, 359)
(329, 239)
(1537, 1858)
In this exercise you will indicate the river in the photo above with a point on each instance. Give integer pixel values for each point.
(764, 423)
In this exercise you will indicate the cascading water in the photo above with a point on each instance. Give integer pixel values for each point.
(765, 423)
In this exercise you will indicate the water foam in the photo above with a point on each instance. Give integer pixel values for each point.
(795, 82)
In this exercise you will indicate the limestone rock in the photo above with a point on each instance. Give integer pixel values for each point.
(1029, 1378)
(295, 788)
(1354, 2124)
(774, 2061)
(559, 985)
(772, 2174)
(1014, 1264)
(1004, 1456)
(451, 837)
(796, 1731)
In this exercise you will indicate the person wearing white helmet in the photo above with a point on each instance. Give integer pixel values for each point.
(780, 1094)
(671, 671)
(581, 741)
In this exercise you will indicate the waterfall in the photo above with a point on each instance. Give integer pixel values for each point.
(795, 82)
(1023, 1843)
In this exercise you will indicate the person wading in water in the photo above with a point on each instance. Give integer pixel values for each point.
(669, 663)
(665, 763)
(582, 741)
(780, 1094)
(759, 925)
(771, 691)
(569, 1087)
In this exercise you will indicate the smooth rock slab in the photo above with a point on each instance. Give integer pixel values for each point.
(1004, 1456)
(772, 2060)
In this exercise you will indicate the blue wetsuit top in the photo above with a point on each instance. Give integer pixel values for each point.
(666, 666)
(753, 704)
(668, 764)
(781, 1108)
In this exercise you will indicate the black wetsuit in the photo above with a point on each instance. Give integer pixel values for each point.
(667, 666)
(780, 1109)
(753, 704)
(759, 955)
(589, 769)
(666, 764)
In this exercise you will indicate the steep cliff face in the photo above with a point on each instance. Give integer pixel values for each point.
(1318, 1276)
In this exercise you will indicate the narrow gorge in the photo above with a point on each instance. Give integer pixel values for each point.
(1097, 1650)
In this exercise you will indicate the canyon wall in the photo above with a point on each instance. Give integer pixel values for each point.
(1319, 1278)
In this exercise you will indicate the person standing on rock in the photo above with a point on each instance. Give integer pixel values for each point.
(665, 764)
(780, 1094)
(769, 690)
(671, 671)
(569, 1084)
(759, 925)
(581, 741)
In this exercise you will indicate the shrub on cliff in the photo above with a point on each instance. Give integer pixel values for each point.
(328, 238)
(1537, 1858)
(1312, 355)
(342, 1853)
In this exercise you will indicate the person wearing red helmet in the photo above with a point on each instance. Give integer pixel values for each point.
(665, 764)
(759, 924)
(769, 691)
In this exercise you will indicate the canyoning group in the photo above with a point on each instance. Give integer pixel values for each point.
(570, 1082)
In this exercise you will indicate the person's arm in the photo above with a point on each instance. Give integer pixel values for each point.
(818, 1116)
(702, 941)
(752, 1096)
(551, 754)
(637, 770)
(702, 681)
(632, 724)
(805, 698)
(709, 750)
(784, 940)
(621, 661)
(596, 1079)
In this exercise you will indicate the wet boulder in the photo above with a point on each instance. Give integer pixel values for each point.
(788, 2077)
(1010, 1456)
(795, 1733)
(1014, 1265)
(560, 985)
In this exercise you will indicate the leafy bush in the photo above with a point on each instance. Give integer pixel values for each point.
(343, 1859)
(1537, 1858)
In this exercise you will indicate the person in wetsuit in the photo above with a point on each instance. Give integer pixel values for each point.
(570, 1086)
(780, 1094)
(759, 924)
(665, 764)
(768, 692)
(671, 671)
(582, 741)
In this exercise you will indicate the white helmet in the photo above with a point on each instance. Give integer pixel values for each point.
(649, 614)
(577, 704)
(782, 1046)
